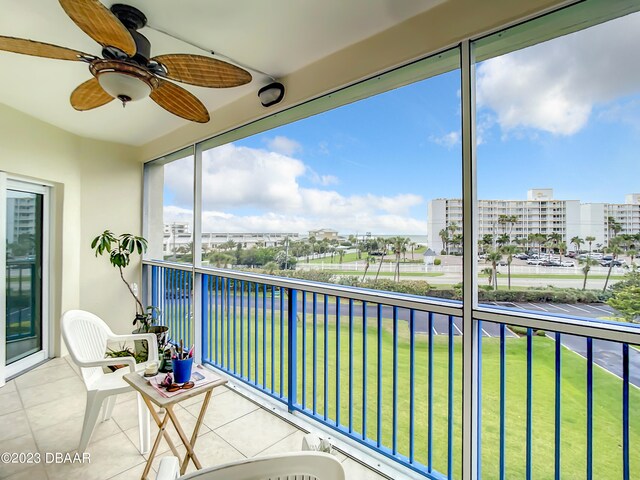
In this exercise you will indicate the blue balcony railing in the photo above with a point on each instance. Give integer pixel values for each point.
(172, 293)
(386, 371)
(22, 300)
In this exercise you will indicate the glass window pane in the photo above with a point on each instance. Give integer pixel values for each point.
(345, 193)
(559, 210)
(169, 207)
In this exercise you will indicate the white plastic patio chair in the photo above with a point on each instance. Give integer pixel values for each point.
(86, 337)
(298, 465)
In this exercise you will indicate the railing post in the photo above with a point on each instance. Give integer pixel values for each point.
(292, 343)
(198, 304)
(154, 288)
(204, 320)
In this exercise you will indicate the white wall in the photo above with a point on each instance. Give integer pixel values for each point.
(573, 221)
(436, 221)
(96, 185)
(592, 218)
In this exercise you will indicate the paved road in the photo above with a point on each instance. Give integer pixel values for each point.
(606, 354)
(596, 310)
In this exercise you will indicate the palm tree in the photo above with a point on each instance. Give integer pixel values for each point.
(612, 227)
(341, 254)
(615, 250)
(398, 245)
(633, 253)
(588, 262)
(562, 249)
(553, 240)
(382, 244)
(507, 222)
(312, 242)
(503, 239)
(487, 241)
(456, 238)
(332, 251)
(489, 273)
(509, 251)
(221, 260)
(589, 239)
(577, 241)
(366, 266)
(494, 257)
(538, 238)
(457, 241)
(444, 236)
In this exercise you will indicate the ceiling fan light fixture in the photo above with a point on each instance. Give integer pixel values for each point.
(271, 94)
(123, 86)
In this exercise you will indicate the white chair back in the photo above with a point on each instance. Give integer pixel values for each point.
(85, 335)
(298, 466)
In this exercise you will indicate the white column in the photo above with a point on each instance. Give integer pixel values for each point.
(470, 332)
(197, 252)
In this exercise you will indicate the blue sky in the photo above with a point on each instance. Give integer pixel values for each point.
(564, 115)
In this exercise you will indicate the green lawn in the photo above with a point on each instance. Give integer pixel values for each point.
(371, 274)
(353, 257)
(607, 394)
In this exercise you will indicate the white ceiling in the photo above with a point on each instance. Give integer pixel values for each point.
(277, 37)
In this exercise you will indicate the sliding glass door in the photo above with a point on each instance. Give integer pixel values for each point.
(25, 259)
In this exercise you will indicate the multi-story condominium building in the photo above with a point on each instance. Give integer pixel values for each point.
(595, 218)
(22, 219)
(540, 213)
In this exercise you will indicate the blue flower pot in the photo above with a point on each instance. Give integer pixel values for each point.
(182, 370)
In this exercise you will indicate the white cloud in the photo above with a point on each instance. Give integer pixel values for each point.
(448, 140)
(266, 185)
(554, 86)
(324, 180)
(283, 145)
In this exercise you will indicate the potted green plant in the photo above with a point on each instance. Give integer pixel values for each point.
(120, 248)
(123, 351)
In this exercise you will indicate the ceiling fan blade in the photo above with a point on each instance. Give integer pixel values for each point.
(203, 71)
(89, 95)
(99, 23)
(39, 49)
(180, 102)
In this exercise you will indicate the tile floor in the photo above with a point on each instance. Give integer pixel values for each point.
(42, 411)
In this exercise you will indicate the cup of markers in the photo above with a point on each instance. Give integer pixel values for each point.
(182, 362)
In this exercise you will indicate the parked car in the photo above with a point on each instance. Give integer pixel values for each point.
(567, 264)
(534, 261)
(616, 263)
(550, 263)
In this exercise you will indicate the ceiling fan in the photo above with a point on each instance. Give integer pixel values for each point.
(127, 71)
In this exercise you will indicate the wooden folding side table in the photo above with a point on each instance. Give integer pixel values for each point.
(151, 396)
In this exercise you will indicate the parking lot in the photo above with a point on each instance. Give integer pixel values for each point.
(606, 354)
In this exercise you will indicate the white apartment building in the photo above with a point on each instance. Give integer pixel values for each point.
(539, 213)
(23, 217)
(595, 218)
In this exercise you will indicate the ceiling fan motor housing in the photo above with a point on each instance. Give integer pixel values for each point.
(133, 19)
